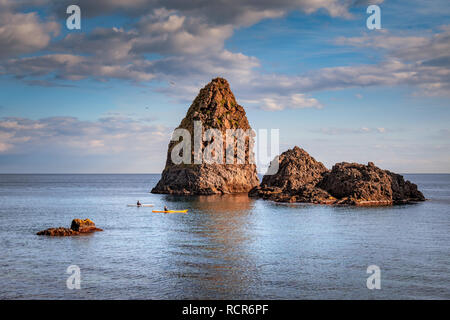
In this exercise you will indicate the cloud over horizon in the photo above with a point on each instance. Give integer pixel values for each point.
(190, 49)
(189, 39)
(116, 138)
(171, 49)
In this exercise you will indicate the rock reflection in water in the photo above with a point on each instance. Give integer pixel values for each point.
(217, 249)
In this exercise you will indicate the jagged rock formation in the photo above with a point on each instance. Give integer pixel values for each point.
(77, 227)
(360, 184)
(301, 178)
(295, 181)
(58, 232)
(216, 108)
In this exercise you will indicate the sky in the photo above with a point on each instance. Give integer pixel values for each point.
(106, 98)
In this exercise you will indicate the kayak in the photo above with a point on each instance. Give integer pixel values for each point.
(170, 211)
(142, 205)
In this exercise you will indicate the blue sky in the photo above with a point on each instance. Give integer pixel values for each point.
(105, 99)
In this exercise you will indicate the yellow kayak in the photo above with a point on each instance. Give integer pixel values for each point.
(171, 211)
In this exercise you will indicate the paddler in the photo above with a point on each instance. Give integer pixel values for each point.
(165, 208)
(138, 203)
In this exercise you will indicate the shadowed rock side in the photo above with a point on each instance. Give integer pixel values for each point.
(216, 107)
(303, 179)
(295, 181)
(77, 227)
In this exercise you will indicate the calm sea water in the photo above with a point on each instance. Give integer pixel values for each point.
(229, 247)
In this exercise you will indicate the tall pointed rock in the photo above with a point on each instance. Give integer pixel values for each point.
(214, 107)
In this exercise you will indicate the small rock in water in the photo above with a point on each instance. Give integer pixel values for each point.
(77, 227)
(83, 226)
(58, 232)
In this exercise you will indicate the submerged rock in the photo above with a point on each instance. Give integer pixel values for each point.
(58, 232)
(303, 179)
(77, 227)
(215, 107)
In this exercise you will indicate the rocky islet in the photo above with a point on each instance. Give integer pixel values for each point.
(301, 178)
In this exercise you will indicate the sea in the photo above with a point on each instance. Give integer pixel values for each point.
(225, 247)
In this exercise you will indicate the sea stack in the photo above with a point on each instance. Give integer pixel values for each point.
(301, 178)
(215, 107)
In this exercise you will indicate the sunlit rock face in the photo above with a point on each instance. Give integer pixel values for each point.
(301, 178)
(361, 184)
(215, 107)
(295, 181)
(78, 226)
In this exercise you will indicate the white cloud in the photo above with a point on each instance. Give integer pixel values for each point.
(421, 61)
(351, 131)
(295, 101)
(237, 12)
(24, 33)
(75, 67)
(187, 46)
(105, 136)
(165, 32)
(407, 48)
(67, 144)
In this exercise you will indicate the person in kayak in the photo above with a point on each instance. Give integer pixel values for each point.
(138, 203)
(165, 208)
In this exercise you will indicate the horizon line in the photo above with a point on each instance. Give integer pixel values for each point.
(137, 173)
